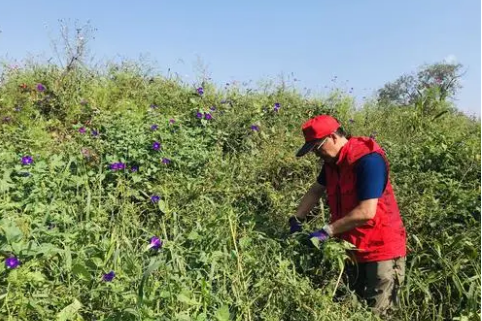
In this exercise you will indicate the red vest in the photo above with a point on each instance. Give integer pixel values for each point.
(381, 238)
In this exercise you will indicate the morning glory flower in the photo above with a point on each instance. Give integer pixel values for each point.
(154, 106)
(200, 91)
(154, 127)
(277, 106)
(95, 133)
(109, 276)
(82, 130)
(40, 87)
(12, 262)
(155, 243)
(27, 160)
(199, 115)
(155, 198)
(212, 108)
(117, 166)
(255, 128)
(156, 146)
(208, 116)
(134, 168)
(172, 121)
(166, 160)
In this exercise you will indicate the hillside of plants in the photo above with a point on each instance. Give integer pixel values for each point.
(131, 196)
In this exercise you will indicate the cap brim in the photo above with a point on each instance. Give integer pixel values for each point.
(307, 147)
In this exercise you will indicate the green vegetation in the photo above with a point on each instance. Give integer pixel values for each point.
(84, 204)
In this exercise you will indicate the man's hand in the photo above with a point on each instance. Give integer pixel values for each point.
(295, 224)
(322, 235)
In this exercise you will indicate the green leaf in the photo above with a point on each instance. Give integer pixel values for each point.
(6, 182)
(184, 298)
(70, 311)
(222, 313)
(162, 206)
(56, 162)
(80, 271)
(193, 235)
(68, 258)
(11, 230)
(315, 242)
(153, 265)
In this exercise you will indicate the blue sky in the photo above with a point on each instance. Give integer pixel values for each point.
(363, 43)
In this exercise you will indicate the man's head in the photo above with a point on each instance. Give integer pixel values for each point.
(323, 136)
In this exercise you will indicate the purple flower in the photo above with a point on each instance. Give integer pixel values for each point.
(172, 121)
(155, 198)
(208, 116)
(27, 160)
(12, 262)
(200, 91)
(134, 168)
(166, 160)
(154, 106)
(213, 108)
(109, 276)
(82, 130)
(95, 133)
(277, 106)
(224, 101)
(156, 243)
(117, 166)
(40, 87)
(199, 115)
(156, 146)
(154, 127)
(255, 128)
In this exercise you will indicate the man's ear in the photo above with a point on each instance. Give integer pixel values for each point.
(334, 137)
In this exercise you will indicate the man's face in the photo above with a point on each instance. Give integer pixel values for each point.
(326, 149)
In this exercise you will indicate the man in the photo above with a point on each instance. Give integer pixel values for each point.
(364, 211)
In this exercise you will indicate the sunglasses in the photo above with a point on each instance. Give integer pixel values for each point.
(317, 147)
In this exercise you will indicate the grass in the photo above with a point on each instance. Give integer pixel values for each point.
(225, 199)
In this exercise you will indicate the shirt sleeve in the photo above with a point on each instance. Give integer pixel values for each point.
(322, 177)
(371, 174)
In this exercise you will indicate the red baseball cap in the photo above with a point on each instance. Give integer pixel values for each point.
(315, 129)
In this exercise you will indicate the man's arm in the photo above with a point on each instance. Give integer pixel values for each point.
(371, 182)
(310, 200)
(361, 214)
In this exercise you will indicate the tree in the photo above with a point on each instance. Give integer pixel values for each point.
(409, 88)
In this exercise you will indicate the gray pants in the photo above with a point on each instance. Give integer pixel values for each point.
(378, 282)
